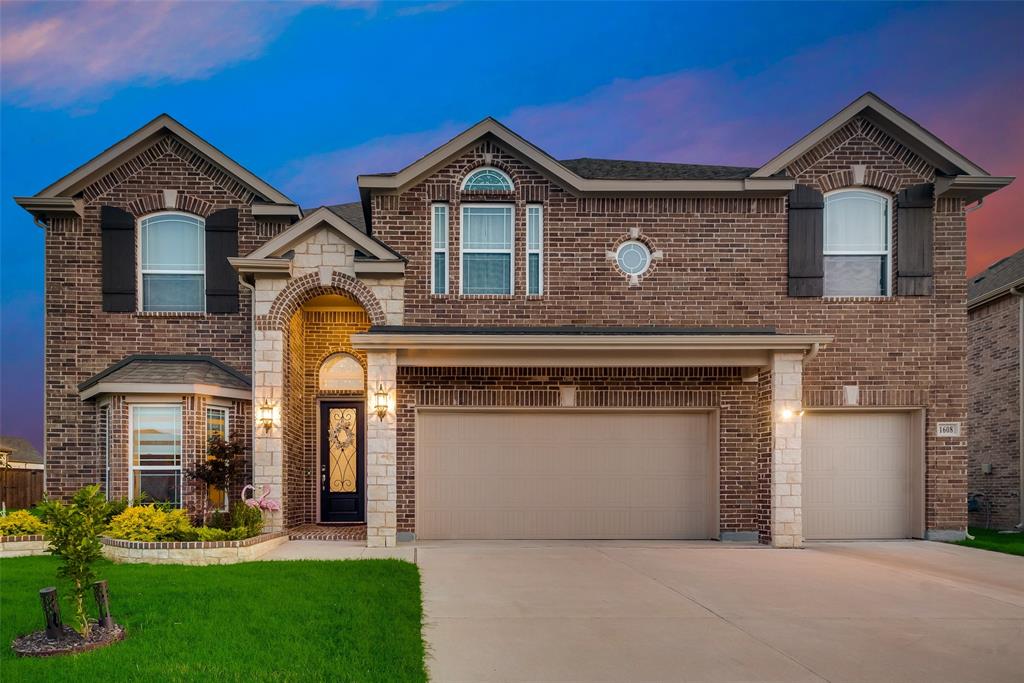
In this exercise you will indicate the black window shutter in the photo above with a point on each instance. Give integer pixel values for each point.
(806, 242)
(221, 277)
(914, 230)
(117, 230)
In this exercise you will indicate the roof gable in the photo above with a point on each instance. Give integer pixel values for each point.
(130, 146)
(901, 127)
(314, 222)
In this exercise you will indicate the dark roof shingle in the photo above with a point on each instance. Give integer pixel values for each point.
(170, 370)
(615, 169)
(999, 275)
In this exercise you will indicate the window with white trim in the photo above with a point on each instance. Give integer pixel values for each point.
(103, 424)
(487, 179)
(155, 453)
(216, 425)
(439, 250)
(534, 249)
(172, 262)
(486, 247)
(857, 254)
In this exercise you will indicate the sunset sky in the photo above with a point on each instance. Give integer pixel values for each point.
(307, 95)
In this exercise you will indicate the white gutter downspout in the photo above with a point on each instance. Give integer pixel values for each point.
(1015, 291)
(809, 356)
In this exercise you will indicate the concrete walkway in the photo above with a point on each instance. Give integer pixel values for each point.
(899, 611)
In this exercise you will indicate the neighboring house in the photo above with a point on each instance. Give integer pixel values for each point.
(17, 453)
(995, 350)
(493, 343)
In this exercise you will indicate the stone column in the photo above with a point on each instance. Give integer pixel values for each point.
(787, 477)
(381, 448)
(268, 449)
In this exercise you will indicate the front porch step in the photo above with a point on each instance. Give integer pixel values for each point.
(328, 532)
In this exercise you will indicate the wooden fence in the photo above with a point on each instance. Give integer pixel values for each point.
(21, 488)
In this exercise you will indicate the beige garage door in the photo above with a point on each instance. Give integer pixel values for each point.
(857, 475)
(563, 474)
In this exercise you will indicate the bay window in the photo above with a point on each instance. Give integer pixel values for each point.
(155, 453)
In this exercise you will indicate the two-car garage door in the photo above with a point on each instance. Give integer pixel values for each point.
(516, 474)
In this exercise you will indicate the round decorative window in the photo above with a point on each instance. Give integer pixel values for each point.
(633, 257)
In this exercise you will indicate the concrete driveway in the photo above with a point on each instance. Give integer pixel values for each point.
(597, 611)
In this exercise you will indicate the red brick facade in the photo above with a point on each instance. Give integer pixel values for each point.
(993, 363)
(723, 264)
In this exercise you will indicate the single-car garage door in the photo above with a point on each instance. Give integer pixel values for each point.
(564, 474)
(858, 475)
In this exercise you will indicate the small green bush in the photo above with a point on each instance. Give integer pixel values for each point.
(220, 520)
(249, 519)
(21, 523)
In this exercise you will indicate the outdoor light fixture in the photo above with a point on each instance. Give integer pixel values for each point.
(380, 403)
(266, 416)
(789, 414)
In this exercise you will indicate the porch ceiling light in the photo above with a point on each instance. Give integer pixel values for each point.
(380, 402)
(266, 416)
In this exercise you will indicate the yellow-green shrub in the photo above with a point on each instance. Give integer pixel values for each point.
(150, 523)
(21, 523)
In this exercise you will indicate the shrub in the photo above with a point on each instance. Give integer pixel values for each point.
(151, 523)
(249, 519)
(21, 523)
(220, 520)
(73, 532)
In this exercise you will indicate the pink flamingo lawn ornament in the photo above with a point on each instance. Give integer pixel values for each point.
(263, 503)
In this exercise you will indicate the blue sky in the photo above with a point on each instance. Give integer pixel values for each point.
(306, 95)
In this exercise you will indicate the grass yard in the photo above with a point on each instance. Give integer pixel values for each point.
(990, 539)
(282, 621)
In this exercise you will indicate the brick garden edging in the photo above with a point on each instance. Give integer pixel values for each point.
(192, 552)
(22, 546)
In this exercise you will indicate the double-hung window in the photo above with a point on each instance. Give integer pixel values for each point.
(534, 249)
(439, 250)
(487, 248)
(216, 426)
(857, 244)
(173, 263)
(156, 453)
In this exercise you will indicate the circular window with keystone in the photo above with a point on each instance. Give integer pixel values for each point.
(633, 256)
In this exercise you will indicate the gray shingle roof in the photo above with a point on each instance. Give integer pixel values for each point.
(20, 450)
(1000, 275)
(615, 169)
(351, 213)
(170, 370)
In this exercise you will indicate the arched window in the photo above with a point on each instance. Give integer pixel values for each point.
(173, 263)
(341, 372)
(487, 180)
(857, 243)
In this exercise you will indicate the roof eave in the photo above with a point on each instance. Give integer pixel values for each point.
(41, 207)
(970, 188)
(997, 293)
(261, 266)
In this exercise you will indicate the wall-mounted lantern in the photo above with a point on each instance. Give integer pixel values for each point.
(380, 402)
(789, 413)
(266, 416)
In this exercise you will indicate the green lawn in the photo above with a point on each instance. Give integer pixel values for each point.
(347, 621)
(990, 539)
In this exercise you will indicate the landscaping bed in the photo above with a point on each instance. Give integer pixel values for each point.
(192, 552)
(990, 539)
(303, 620)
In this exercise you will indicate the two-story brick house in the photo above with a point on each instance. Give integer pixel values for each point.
(493, 343)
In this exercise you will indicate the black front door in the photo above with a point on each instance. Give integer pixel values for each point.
(342, 461)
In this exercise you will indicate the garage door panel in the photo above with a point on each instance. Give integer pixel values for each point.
(562, 475)
(856, 475)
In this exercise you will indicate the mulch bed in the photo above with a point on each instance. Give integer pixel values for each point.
(39, 645)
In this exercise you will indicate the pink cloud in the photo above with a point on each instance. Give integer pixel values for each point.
(55, 53)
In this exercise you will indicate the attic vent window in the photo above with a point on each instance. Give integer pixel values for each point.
(487, 180)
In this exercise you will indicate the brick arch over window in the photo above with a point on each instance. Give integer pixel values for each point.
(878, 180)
(183, 202)
(488, 162)
(307, 287)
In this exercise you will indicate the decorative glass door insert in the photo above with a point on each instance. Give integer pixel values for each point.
(342, 449)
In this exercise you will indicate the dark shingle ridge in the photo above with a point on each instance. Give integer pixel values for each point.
(1000, 274)
(179, 365)
(620, 169)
